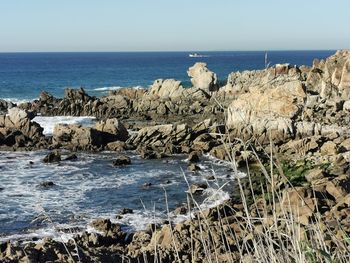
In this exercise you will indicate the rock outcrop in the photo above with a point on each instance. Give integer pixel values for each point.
(89, 138)
(202, 78)
(18, 130)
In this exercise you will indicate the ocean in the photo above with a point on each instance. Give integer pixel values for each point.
(24, 75)
(90, 187)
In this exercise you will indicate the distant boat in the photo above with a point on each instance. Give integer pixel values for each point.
(196, 55)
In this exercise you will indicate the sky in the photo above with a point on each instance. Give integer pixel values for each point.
(173, 25)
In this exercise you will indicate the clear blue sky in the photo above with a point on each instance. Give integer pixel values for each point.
(152, 25)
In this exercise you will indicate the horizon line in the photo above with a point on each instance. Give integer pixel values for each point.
(169, 51)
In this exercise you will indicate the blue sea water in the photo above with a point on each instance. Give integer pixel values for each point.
(25, 75)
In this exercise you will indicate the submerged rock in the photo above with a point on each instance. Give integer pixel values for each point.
(197, 188)
(52, 157)
(122, 160)
(193, 167)
(71, 157)
(47, 184)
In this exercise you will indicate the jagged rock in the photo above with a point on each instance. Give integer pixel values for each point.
(197, 188)
(71, 157)
(125, 211)
(315, 174)
(122, 160)
(76, 94)
(47, 184)
(52, 157)
(267, 113)
(114, 129)
(329, 148)
(5, 105)
(193, 167)
(202, 78)
(117, 146)
(193, 157)
(166, 89)
(17, 129)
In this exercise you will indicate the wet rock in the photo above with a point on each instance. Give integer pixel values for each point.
(112, 233)
(71, 157)
(47, 184)
(117, 146)
(52, 157)
(193, 157)
(211, 178)
(113, 129)
(193, 167)
(148, 154)
(122, 160)
(196, 189)
(146, 185)
(125, 211)
(2, 189)
(182, 210)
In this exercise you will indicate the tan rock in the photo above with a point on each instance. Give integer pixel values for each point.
(165, 89)
(114, 128)
(202, 78)
(329, 148)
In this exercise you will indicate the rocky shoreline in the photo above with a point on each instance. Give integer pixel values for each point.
(287, 125)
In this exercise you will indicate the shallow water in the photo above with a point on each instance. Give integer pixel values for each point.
(90, 187)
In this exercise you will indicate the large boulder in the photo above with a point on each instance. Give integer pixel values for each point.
(113, 128)
(4, 105)
(16, 128)
(76, 94)
(202, 78)
(77, 136)
(80, 137)
(166, 89)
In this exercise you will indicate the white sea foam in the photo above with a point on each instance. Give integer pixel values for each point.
(18, 101)
(48, 123)
(116, 88)
(90, 187)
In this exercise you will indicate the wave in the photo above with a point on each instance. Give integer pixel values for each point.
(48, 123)
(17, 100)
(116, 88)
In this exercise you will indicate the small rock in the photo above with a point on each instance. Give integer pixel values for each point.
(47, 184)
(71, 157)
(147, 185)
(2, 189)
(125, 211)
(122, 160)
(182, 210)
(197, 188)
(193, 167)
(31, 162)
(52, 157)
(211, 178)
(193, 157)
